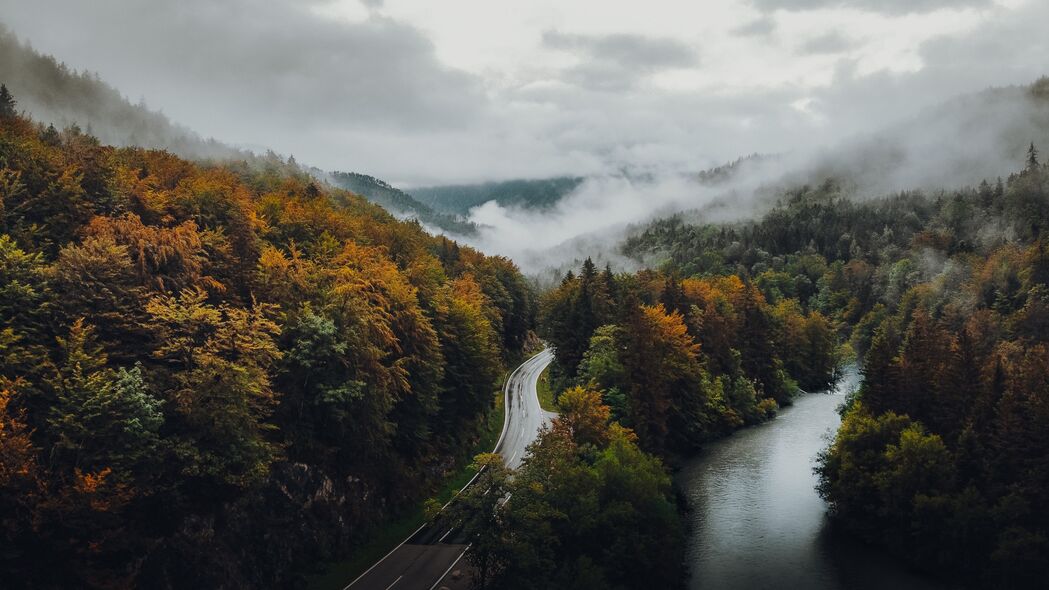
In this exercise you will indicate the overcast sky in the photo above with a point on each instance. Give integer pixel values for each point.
(427, 92)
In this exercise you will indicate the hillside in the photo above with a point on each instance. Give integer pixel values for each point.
(959, 142)
(942, 298)
(963, 141)
(823, 365)
(218, 376)
(52, 93)
(532, 194)
(399, 202)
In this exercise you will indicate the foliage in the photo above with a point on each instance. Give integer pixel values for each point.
(194, 357)
(942, 456)
(587, 509)
(682, 361)
(534, 194)
(394, 199)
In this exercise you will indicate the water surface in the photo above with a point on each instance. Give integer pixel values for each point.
(757, 521)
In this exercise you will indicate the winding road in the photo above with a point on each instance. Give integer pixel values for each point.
(425, 559)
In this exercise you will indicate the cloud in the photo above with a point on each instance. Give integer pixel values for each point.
(228, 68)
(832, 42)
(956, 144)
(626, 49)
(563, 88)
(882, 6)
(587, 222)
(759, 27)
(924, 139)
(617, 62)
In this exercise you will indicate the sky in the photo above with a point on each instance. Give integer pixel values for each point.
(423, 92)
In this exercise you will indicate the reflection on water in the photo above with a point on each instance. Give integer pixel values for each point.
(756, 520)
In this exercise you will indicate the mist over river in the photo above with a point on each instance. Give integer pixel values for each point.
(756, 520)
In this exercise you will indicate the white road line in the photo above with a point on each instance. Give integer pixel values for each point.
(526, 367)
(441, 540)
(450, 567)
(374, 565)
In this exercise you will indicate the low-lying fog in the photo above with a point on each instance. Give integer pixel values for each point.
(960, 143)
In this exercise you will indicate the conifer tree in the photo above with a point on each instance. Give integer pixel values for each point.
(7, 103)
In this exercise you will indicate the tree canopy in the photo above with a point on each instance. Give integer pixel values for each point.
(193, 356)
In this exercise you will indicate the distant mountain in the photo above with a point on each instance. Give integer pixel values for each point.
(726, 172)
(400, 203)
(53, 93)
(535, 194)
(971, 140)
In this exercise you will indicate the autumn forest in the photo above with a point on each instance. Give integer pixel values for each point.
(224, 368)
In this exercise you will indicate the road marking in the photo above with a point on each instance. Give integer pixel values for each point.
(518, 389)
(441, 540)
(450, 567)
(392, 551)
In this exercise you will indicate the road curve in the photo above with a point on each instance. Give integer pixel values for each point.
(429, 554)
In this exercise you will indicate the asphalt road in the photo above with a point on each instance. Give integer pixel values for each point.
(430, 554)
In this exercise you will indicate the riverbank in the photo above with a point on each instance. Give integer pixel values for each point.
(756, 521)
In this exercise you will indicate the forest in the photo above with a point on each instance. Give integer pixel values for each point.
(52, 91)
(533, 194)
(221, 374)
(684, 361)
(398, 201)
(941, 298)
(587, 509)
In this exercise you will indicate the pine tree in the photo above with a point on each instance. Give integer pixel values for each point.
(986, 193)
(608, 278)
(589, 270)
(673, 298)
(7, 103)
(50, 136)
(101, 418)
(880, 371)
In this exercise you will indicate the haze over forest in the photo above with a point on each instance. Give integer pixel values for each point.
(883, 100)
(276, 277)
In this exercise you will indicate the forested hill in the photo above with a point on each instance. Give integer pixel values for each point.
(942, 455)
(959, 142)
(536, 194)
(213, 376)
(401, 203)
(51, 92)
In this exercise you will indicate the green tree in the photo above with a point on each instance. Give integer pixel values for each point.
(480, 510)
(7, 103)
(102, 418)
(602, 369)
(23, 294)
(470, 347)
(221, 388)
(596, 515)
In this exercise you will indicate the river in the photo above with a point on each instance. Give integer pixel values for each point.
(757, 521)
